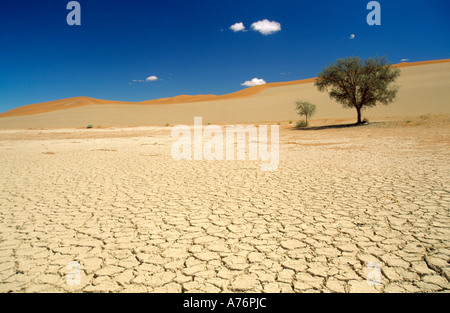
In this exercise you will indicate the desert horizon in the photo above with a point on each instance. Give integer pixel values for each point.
(423, 90)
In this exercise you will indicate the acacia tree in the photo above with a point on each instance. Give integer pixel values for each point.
(357, 84)
(305, 108)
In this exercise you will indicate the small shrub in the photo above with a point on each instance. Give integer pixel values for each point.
(306, 109)
(365, 121)
(167, 124)
(302, 124)
(290, 122)
(89, 126)
(278, 123)
(408, 121)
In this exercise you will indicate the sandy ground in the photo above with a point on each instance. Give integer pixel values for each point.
(135, 220)
(424, 89)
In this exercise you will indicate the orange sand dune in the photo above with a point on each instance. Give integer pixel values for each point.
(62, 104)
(82, 101)
(407, 64)
(238, 94)
(424, 90)
(75, 102)
(180, 99)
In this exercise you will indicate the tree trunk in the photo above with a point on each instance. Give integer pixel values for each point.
(358, 110)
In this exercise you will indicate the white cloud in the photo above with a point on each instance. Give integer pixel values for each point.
(152, 78)
(266, 27)
(148, 79)
(237, 27)
(352, 36)
(254, 82)
(404, 60)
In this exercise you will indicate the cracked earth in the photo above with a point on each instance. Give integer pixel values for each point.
(345, 205)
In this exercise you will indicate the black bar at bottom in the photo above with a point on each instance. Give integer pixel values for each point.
(231, 302)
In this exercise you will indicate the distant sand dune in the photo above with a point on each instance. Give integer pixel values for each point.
(62, 104)
(408, 64)
(76, 102)
(425, 89)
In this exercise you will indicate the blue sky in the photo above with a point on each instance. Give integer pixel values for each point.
(190, 48)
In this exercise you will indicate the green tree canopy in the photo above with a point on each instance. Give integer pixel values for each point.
(305, 108)
(359, 84)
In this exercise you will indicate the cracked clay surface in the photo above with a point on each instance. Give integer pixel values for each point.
(135, 220)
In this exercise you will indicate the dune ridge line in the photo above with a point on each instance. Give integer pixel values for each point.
(75, 102)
